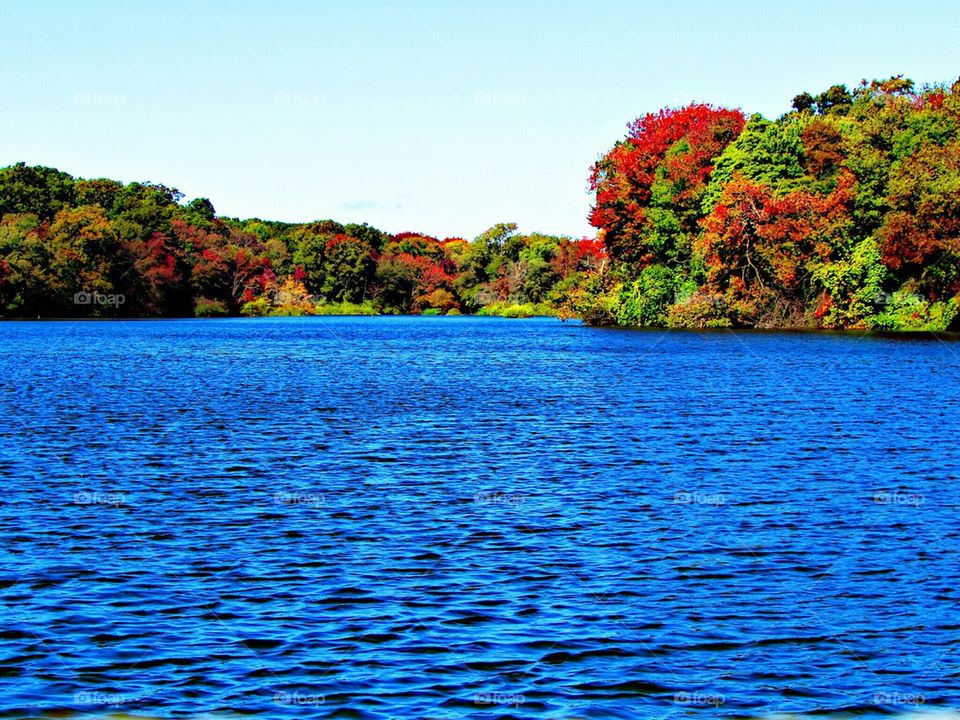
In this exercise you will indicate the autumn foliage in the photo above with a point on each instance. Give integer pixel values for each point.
(60, 236)
(660, 168)
(842, 213)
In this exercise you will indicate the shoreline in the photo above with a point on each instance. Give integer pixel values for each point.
(940, 335)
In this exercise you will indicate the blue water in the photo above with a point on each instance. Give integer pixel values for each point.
(475, 518)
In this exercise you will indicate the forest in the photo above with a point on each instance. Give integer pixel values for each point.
(71, 247)
(843, 213)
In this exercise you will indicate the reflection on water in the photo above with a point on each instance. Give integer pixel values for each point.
(930, 714)
(465, 517)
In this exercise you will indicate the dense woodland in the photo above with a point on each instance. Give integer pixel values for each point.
(843, 213)
(74, 248)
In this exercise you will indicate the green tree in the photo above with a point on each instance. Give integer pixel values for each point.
(348, 267)
(41, 191)
(803, 102)
(24, 267)
(83, 247)
(835, 99)
(852, 286)
(767, 152)
(646, 300)
(309, 244)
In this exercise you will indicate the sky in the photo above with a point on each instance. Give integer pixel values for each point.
(440, 116)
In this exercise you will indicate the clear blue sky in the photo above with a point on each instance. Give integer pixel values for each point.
(441, 116)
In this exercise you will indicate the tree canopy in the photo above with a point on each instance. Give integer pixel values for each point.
(843, 213)
(71, 247)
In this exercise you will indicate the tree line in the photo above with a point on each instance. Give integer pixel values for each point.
(71, 247)
(842, 213)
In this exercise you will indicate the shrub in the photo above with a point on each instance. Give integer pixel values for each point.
(257, 308)
(645, 300)
(699, 310)
(205, 307)
(852, 286)
(346, 308)
(906, 310)
(516, 310)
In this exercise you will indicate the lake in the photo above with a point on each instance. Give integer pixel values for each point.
(475, 517)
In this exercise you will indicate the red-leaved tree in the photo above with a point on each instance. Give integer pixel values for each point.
(664, 163)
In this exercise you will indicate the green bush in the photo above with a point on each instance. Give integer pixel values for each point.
(210, 308)
(595, 298)
(256, 308)
(645, 301)
(346, 308)
(699, 310)
(853, 284)
(516, 310)
(905, 310)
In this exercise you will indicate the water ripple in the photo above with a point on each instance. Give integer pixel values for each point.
(466, 517)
